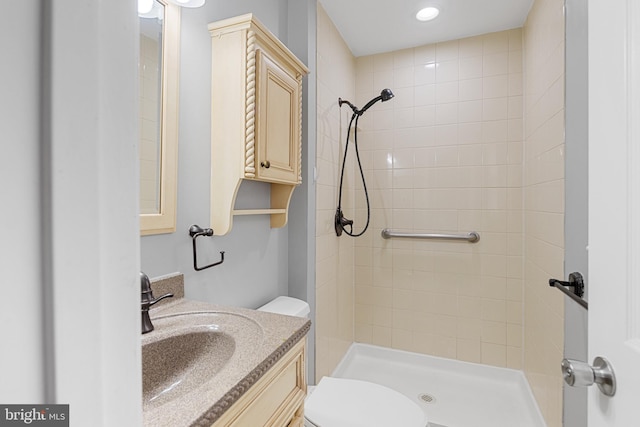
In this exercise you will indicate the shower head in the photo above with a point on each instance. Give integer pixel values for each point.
(385, 95)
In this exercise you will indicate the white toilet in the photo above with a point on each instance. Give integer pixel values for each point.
(341, 402)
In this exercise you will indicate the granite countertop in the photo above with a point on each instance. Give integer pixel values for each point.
(261, 339)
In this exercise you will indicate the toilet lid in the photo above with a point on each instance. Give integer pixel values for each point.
(340, 402)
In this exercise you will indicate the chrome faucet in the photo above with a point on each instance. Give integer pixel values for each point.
(147, 300)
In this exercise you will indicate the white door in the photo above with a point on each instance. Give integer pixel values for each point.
(614, 206)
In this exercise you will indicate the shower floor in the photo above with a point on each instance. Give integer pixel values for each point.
(464, 394)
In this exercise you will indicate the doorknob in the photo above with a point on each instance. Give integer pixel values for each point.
(581, 374)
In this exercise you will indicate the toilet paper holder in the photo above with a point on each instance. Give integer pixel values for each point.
(196, 231)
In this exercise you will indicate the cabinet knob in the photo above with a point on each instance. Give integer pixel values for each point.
(266, 164)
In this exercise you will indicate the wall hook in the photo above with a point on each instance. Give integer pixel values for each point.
(196, 231)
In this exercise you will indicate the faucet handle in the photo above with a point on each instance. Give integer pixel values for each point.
(146, 293)
(155, 300)
(147, 326)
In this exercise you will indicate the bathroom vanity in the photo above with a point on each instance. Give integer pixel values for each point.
(210, 365)
(277, 399)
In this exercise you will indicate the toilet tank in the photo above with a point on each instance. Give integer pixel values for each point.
(287, 305)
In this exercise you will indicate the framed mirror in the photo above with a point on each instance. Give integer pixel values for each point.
(158, 67)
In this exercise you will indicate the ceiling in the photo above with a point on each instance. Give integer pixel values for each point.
(376, 26)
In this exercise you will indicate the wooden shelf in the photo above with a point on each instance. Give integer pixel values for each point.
(258, 211)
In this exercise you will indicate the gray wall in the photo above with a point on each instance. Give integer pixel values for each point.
(21, 306)
(576, 181)
(260, 263)
(256, 260)
(70, 165)
(302, 214)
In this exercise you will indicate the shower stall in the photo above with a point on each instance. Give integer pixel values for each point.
(447, 156)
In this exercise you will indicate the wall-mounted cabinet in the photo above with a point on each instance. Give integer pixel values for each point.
(256, 133)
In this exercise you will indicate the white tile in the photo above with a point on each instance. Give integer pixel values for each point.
(495, 154)
(403, 118)
(447, 50)
(495, 42)
(495, 63)
(425, 116)
(495, 86)
(446, 135)
(447, 71)
(382, 79)
(403, 58)
(515, 84)
(446, 156)
(470, 155)
(404, 98)
(424, 54)
(402, 77)
(425, 95)
(446, 114)
(470, 89)
(495, 109)
(470, 46)
(470, 111)
(515, 107)
(383, 62)
(470, 67)
(403, 159)
(425, 73)
(470, 133)
(425, 157)
(446, 92)
(364, 83)
(495, 131)
(515, 61)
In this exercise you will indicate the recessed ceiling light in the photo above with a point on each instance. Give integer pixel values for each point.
(427, 14)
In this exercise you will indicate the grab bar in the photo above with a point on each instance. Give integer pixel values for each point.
(471, 237)
(576, 281)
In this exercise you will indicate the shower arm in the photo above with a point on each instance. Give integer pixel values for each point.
(385, 95)
(353, 107)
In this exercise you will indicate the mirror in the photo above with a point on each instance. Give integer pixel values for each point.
(158, 68)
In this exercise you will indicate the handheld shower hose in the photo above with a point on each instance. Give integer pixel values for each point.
(340, 222)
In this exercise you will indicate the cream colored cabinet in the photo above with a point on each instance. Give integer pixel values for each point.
(256, 118)
(278, 118)
(276, 399)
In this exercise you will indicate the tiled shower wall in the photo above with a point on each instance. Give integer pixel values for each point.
(443, 156)
(544, 204)
(468, 143)
(334, 256)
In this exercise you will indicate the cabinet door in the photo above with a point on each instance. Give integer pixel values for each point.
(278, 122)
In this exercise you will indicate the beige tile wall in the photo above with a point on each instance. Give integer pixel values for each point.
(447, 155)
(444, 156)
(544, 204)
(334, 256)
